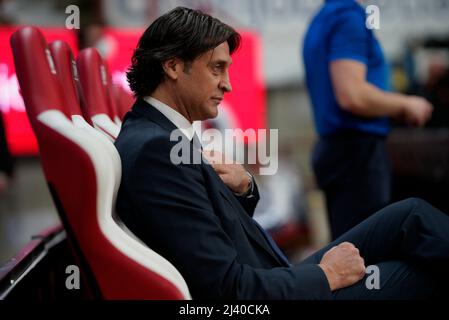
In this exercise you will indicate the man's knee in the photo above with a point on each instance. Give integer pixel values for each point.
(413, 203)
(401, 210)
(419, 208)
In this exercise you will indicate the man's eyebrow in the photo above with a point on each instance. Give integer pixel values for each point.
(221, 61)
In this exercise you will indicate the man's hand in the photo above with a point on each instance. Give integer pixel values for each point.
(233, 175)
(417, 111)
(343, 266)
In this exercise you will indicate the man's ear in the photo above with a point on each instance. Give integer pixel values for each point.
(172, 67)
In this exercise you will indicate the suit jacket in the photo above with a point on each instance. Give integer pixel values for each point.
(190, 217)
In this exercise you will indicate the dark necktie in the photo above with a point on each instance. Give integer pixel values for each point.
(272, 244)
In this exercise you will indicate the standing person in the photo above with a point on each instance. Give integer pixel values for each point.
(347, 78)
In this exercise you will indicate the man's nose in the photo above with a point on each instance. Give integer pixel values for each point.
(225, 83)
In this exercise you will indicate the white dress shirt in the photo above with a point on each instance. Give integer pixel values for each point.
(174, 116)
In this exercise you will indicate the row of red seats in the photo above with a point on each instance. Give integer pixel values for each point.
(75, 119)
(87, 83)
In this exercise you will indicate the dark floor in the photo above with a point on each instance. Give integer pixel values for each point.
(25, 208)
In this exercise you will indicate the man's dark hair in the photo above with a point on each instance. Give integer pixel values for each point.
(181, 33)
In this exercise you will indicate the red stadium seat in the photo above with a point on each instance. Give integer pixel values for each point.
(67, 74)
(124, 100)
(98, 108)
(113, 103)
(81, 176)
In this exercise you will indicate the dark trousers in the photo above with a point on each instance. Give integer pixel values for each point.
(409, 242)
(353, 170)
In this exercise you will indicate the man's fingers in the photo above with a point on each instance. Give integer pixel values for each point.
(363, 267)
(225, 178)
(346, 244)
(220, 168)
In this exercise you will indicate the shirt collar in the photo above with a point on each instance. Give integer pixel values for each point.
(174, 116)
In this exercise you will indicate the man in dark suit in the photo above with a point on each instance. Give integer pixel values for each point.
(198, 214)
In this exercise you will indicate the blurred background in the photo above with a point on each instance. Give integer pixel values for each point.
(269, 92)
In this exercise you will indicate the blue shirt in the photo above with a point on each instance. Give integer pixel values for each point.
(337, 32)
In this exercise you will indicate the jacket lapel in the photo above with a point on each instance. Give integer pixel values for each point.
(144, 109)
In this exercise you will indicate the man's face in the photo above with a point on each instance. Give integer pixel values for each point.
(202, 85)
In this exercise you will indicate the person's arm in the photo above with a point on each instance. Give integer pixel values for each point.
(354, 94)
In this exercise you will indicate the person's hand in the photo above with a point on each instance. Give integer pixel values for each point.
(417, 111)
(343, 266)
(233, 175)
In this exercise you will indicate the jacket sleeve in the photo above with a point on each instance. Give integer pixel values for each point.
(176, 218)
